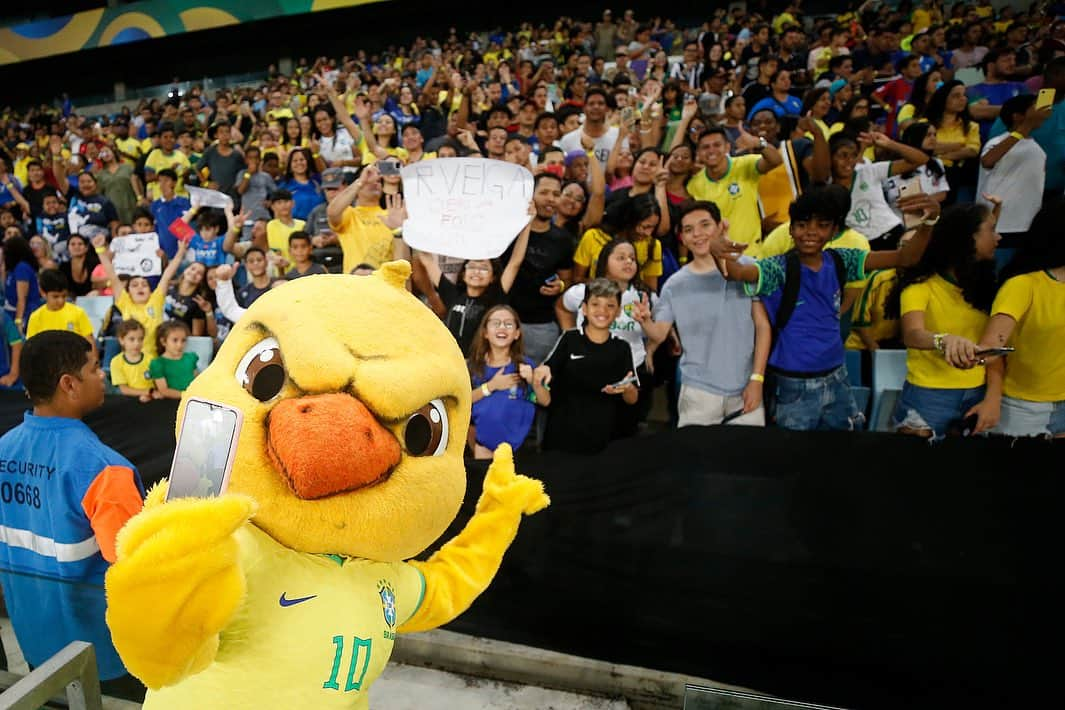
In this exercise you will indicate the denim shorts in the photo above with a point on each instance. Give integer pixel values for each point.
(824, 403)
(1022, 417)
(934, 408)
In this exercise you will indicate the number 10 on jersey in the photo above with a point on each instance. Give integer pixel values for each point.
(357, 647)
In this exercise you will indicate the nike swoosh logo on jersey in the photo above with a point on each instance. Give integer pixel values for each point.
(576, 357)
(292, 602)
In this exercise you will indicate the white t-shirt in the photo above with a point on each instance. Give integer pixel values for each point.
(1018, 178)
(337, 147)
(603, 144)
(870, 213)
(624, 326)
(930, 185)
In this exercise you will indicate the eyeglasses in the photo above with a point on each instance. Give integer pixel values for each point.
(504, 324)
(478, 267)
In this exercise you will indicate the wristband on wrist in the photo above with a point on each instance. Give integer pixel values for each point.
(756, 377)
(485, 391)
(561, 285)
(1017, 134)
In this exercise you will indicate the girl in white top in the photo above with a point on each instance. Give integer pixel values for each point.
(869, 212)
(932, 175)
(617, 262)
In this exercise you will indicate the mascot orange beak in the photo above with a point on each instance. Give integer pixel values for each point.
(329, 443)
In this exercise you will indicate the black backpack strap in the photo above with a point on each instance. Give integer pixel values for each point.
(790, 296)
(841, 268)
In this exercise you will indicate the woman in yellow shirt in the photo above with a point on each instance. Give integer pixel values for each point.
(924, 87)
(1029, 315)
(958, 139)
(944, 302)
(638, 221)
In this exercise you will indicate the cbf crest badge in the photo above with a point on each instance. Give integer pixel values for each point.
(734, 189)
(388, 602)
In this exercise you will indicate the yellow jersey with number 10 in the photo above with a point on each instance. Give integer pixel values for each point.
(323, 626)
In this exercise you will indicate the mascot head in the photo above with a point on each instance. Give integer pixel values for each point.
(356, 403)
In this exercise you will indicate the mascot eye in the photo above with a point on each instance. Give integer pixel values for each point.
(426, 431)
(261, 371)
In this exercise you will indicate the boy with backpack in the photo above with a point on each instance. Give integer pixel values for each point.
(802, 293)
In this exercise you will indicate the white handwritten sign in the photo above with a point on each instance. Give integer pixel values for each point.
(209, 198)
(136, 255)
(470, 208)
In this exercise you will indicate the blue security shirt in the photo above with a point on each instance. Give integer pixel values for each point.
(810, 342)
(52, 566)
(505, 416)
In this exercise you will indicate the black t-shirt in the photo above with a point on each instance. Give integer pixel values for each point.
(78, 288)
(755, 92)
(35, 196)
(581, 418)
(465, 312)
(182, 307)
(548, 253)
(247, 294)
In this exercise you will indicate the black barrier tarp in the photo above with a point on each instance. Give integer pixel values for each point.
(862, 570)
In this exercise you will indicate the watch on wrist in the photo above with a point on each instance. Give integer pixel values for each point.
(762, 143)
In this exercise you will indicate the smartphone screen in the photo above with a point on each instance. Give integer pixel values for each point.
(205, 450)
(1045, 99)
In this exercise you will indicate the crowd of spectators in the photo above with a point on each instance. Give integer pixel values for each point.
(719, 211)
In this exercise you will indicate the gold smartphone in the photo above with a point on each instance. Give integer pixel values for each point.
(908, 189)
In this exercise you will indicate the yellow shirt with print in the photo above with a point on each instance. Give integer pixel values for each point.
(1036, 371)
(130, 150)
(736, 195)
(69, 317)
(649, 257)
(158, 160)
(323, 626)
(149, 314)
(945, 311)
(955, 133)
(277, 233)
(364, 238)
(868, 312)
(131, 374)
(779, 242)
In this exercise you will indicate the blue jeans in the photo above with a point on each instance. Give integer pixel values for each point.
(817, 403)
(934, 408)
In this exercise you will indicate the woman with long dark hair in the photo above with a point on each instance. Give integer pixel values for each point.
(1028, 314)
(943, 302)
(923, 89)
(957, 139)
(636, 221)
(301, 181)
(78, 270)
(22, 295)
(817, 103)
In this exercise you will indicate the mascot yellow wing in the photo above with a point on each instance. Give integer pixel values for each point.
(464, 567)
(175, 584)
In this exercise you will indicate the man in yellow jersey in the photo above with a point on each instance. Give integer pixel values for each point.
(166, 156)
(362, 231)
(732, 183)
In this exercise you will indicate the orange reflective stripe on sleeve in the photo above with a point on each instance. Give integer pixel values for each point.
(112, 499)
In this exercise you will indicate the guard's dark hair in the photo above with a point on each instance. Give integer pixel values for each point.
(46, 357)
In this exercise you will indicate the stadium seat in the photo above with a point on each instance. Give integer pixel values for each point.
(854, 367)
(889, 374)
(203, 346)
(96, 308)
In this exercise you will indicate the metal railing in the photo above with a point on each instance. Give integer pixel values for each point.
(68, 678)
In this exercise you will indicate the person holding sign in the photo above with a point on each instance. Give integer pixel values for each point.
(366, 232)
(480, 287)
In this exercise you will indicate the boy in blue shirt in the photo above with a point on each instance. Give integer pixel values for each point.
(207, 245)
(811, 389)
(64, 496)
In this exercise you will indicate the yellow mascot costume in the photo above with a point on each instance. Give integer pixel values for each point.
(288, 590)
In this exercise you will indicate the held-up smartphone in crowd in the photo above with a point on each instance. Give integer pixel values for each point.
(630, 380)
(908, 189)
(992, 352)
(551, 279)
(387, 167)
(1045, 99)
(205, 450)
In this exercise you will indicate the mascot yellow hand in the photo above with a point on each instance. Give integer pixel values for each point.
(176, 583)
(464, 567)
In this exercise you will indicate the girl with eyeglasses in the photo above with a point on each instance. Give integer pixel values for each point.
(506, 384)
(480, 286)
